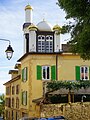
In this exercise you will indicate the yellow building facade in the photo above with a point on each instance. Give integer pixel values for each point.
(42, 62)
(31, 82)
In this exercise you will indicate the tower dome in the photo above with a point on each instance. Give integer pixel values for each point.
(32, 27)
(56, 27)
(44, 26)
(28, 7)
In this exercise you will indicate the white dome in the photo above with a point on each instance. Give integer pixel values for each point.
(44, 26)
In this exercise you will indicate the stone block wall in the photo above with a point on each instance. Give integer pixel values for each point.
(71, 111)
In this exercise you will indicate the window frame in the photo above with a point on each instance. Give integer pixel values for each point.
(13, 90)
(17, 89)
(17, 102)
(13, 102)
(45, 72)
(24, 74)
(24, 98)
(83, 73)
(46, 48)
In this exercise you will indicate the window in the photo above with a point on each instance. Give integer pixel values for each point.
(8, 90)
(46, 72)
(17, 89)
(41, 43)
(45, 43)
(24, 98)
(17, 102)
(13, 102)
(12, 115)
(24, 74)
(49, 43)
(27, 42)
(13, 90)
(8, 102)
(82, 73)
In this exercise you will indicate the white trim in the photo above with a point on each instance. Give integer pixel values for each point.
(84, 73)
(45, 72)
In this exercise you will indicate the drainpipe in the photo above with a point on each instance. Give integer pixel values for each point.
(56, 66)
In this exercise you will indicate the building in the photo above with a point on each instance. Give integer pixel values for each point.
(42, 61)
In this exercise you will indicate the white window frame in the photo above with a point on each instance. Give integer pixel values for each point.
(49, 40)
(25, 74)
(84, 73)
(41, 40)
(45, 73)
(41, 46)
(24, 97)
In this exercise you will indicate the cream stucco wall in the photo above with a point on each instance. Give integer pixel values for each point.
(66, 66)
(66, 71)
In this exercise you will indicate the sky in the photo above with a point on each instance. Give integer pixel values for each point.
(12, 17)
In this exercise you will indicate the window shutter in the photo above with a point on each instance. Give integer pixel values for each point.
(26, 98)
(39, 72)
(53, 72)
(22, 98)
(77, 70)
(22, 74)
(26, 73)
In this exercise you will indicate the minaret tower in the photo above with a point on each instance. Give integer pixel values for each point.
(28, 14)
(29, 31)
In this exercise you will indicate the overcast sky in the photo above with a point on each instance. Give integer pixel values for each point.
(12, 17)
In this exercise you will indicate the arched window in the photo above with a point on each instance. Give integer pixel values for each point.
(45, 43)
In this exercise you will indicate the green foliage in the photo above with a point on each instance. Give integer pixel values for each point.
(71, 85)
(78, 26)
(2, 104)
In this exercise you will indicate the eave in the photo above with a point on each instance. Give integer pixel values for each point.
(13, 80)
(37, 53)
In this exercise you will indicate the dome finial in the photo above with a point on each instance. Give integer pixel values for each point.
(44, 16)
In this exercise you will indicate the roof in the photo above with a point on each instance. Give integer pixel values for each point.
(17, 65)
(13, 71)
(12, 80)
(28, 7)
(32, 27)
(33, 53)
(44, 26)
(25, 25)
(56, 27)
(66, 47)
(41, 100)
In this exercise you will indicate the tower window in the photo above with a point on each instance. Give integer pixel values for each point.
(27, 42)
(45, 43)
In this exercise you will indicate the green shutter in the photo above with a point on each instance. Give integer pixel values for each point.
(77, 70)
(22, 74)
(39, 72)
(53, 72)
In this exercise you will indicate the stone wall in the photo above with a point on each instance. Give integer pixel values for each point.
(71, 111)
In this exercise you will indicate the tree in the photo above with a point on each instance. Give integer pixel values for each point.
(78, 14)
(2, 104)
